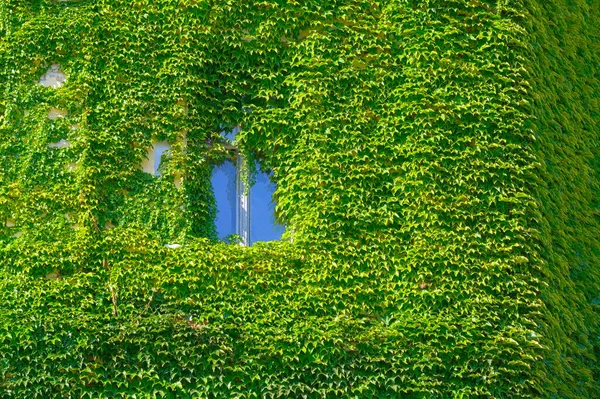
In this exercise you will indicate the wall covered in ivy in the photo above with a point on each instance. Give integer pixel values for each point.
(437, 169)
(564, 60)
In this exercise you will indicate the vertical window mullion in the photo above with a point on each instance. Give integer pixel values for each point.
(243, 203)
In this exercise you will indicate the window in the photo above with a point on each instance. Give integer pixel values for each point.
(154, 158)
(251, 216)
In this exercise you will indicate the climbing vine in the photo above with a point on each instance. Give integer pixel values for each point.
(436, 169)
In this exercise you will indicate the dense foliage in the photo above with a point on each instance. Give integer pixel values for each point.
(436, 164)
(564, 60)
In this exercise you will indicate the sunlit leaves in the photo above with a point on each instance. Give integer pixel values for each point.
(428, 258)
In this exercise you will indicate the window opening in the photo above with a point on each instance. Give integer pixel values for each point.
(248, 214)
(54, 77)
(159, 149)
(154, 157)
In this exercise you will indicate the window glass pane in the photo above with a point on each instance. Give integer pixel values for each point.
(262, 211)
(224, 187)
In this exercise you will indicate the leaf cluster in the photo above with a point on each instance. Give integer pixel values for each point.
(436, 166)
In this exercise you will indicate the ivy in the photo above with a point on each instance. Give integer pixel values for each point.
(436, 166)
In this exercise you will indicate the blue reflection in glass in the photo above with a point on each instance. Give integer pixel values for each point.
(263, 226)
(224, 188)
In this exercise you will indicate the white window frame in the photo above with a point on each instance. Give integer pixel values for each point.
(243, 202)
